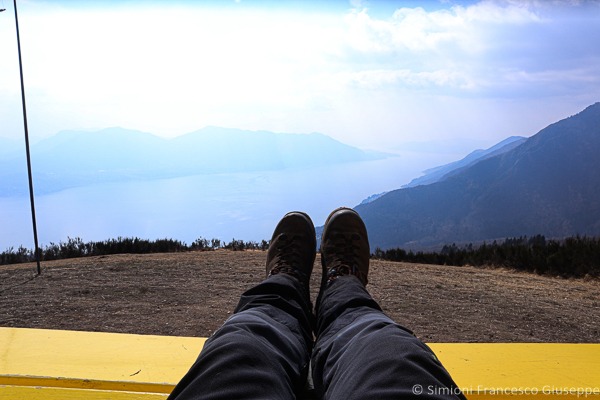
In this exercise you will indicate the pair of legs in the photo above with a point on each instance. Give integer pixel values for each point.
(263, 351)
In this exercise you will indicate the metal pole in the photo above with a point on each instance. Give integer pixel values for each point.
(31, 199)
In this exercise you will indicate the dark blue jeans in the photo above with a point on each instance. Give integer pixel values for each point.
(263, 350)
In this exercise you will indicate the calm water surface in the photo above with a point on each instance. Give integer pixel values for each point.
(241, 205)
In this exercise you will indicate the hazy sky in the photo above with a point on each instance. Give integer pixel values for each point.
(375, 74)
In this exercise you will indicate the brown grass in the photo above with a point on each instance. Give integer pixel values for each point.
(192, 293)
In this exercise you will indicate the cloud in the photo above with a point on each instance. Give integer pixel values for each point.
(417, 30)
(485, 49)
(373, 79)
(175, 68)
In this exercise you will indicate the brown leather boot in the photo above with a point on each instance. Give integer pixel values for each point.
(293, 247)
(344, 246)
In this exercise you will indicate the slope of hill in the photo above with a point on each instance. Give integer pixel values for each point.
(548, 185)
(437, 174)
(441, 172)
(71, 159)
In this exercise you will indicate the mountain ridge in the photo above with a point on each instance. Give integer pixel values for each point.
(439, 173)
(74, 158)
(547, 185)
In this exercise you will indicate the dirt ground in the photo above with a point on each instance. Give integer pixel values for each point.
(191, 294)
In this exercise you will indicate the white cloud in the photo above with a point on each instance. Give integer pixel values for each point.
(498, 12)
(373, 79)
(491, 48)
(176, 68)
(172, 69)
(417, 30)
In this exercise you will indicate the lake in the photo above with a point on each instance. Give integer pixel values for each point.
(243, 206)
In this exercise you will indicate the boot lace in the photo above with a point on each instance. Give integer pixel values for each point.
(343, 257)
(288, 259)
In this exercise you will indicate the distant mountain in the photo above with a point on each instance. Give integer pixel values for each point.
(220, 149)
(437, 174)
(547, 185)
(372, 197)
(71, 158)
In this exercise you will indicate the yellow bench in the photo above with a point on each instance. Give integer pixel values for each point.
(51, 364)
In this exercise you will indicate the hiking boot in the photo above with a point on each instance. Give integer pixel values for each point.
(293, 247)
(344, 246)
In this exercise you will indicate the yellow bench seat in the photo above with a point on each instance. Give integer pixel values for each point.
(52, 364)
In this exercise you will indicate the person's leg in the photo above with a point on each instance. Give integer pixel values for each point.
(361, 353)
(263, 349)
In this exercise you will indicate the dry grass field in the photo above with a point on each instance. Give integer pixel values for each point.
(192, 293)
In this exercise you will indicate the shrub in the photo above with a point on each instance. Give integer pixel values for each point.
(572, 257)
(75, 247)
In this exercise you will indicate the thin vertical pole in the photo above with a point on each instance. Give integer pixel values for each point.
(31, 197)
